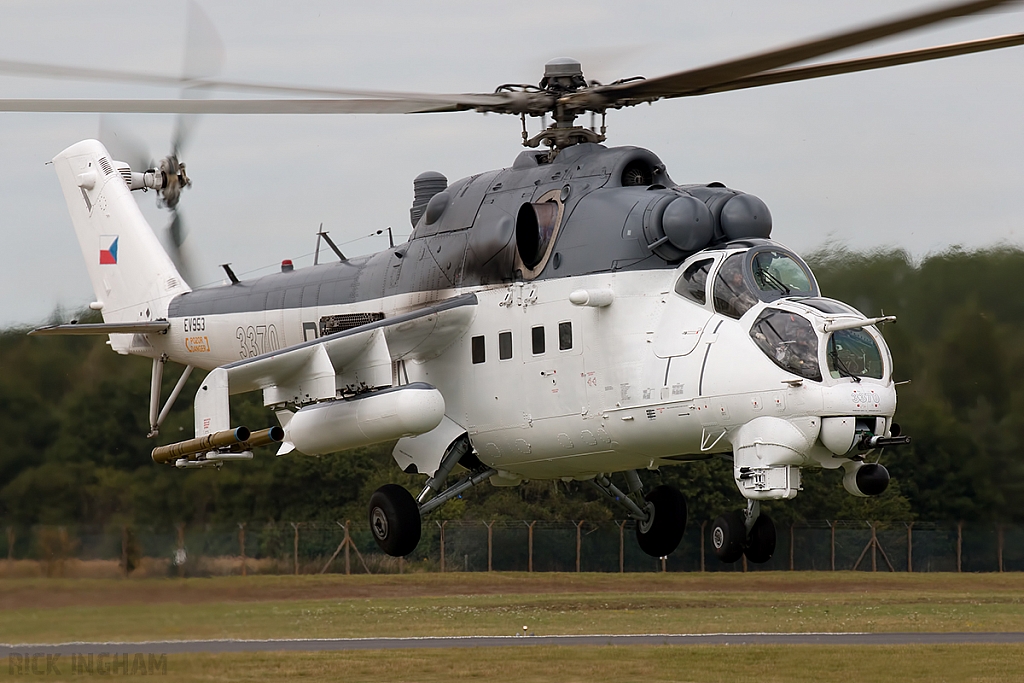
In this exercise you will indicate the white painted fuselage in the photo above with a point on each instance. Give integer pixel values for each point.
(649, 380)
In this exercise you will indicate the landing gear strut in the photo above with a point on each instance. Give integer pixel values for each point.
(395, 516)
(738, 533)
(660, 522)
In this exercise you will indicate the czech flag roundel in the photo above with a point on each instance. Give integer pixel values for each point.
(108, 250)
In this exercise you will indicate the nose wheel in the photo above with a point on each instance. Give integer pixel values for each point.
(394, 520)
(731, 539)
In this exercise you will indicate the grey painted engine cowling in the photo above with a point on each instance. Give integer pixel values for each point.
(684, 220)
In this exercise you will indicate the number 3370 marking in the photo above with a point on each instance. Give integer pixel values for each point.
(256, 340)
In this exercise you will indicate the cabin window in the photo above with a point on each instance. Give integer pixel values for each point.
(564, 336)
(693, 283)
(479, 355)
(504, 345)
(538, 340)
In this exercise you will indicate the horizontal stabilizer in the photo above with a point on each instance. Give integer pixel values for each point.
(149, 327)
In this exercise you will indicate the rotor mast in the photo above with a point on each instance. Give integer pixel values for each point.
(564, 76)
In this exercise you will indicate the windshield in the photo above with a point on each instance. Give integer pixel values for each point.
(853, 353)
(777, 271)
(789, 340)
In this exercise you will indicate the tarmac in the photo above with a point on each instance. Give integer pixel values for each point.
(340, 644)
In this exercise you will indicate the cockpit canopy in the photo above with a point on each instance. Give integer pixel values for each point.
(765, 272)
(789, 340)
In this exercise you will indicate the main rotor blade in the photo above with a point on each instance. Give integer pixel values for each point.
(702, 78)
(804, 73)
(498, 102)
(204, 56)
(197, 83)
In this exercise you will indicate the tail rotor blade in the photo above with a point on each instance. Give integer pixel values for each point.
(177, 248)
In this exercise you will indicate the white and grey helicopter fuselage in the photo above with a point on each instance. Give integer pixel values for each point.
(677, 332)
(573, 316)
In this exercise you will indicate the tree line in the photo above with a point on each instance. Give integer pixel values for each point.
(74, 418)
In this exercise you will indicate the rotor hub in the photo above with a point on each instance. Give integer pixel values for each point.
(563, 75)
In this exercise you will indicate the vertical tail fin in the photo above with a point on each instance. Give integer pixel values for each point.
(133, 277)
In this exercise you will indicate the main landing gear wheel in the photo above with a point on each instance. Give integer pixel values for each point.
(662, 534)
(395, 520)
(761, 540)
(729, 536)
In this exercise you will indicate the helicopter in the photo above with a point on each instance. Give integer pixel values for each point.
(573, 316)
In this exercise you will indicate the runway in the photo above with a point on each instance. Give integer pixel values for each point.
(341, 644)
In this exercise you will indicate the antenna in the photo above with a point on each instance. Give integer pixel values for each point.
(231, 273)
(391, 237)
(334, 247)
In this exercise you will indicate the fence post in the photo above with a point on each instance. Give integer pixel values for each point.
(999, 545)
(910, 547)
(348, 543)
(295, 548)
(702, 525)
(579, 526)
(10, 544)
(490, 544)
(832, 526)
(529, 542)
(622, 547)
(874, 546)
(959, 545)
(241, 545)
(442, 525)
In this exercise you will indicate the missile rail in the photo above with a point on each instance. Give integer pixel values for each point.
(213, 450)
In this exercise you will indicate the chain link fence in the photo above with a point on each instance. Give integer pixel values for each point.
(541, 546)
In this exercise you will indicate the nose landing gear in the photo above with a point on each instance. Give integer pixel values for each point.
(738, 533)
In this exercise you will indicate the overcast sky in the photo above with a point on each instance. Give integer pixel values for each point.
(919, 157)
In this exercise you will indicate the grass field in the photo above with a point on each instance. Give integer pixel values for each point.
(56, 610)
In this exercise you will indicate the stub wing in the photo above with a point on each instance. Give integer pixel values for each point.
(149, 327)
(322, 369)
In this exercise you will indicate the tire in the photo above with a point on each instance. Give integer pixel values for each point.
(394, 520)
(666, 529)
(729, 536)
(761, 540)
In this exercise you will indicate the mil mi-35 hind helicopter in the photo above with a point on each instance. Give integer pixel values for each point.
(573, 316)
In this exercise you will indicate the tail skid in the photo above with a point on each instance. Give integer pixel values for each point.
(132, 276)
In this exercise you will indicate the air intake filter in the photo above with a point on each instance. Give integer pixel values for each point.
(425, 186)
